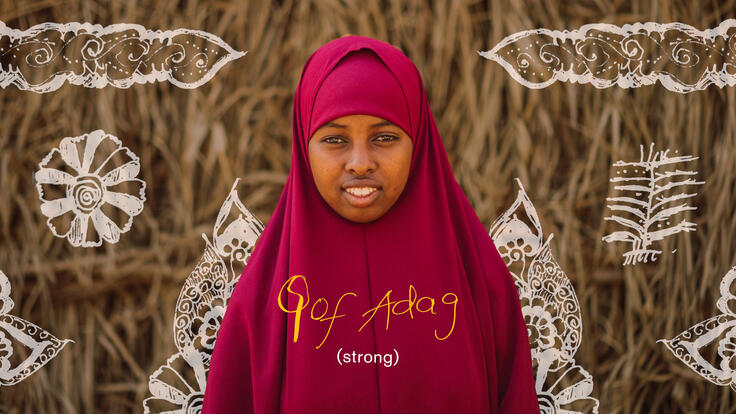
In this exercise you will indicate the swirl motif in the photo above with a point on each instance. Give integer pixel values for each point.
(201, 306)
(40, 345)
(551, 286)
(86, 183)
(680, 57)
(547, 403)
(549, 306)
(43, 57)
(87, 193)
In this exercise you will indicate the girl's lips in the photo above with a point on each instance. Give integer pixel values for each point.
(360, 202)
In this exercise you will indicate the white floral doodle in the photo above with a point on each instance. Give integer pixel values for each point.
(42, 346)
(647, 202)
(90, 178)
(550, 308)
(691, 346)
(178, 386)
(43, 57)
(682, 58)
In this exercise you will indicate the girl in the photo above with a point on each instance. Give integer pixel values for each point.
(374, 287)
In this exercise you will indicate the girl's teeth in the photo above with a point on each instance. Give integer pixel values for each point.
(360, 192)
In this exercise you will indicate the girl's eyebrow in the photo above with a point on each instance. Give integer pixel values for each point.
(379, 124)
(384, 123)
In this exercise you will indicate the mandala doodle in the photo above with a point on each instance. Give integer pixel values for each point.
(90, 178)
(550, 308)
(42, 58)
(682, 58)
(646, 208)
(40, 345)
(718, 332)
(178, 386)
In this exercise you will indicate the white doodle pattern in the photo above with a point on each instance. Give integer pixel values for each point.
(42, 346)
(178, 386)
(682, 58)
(43, 57)
(718, 331)
(550, 308)
(647, 204)
(86, 182)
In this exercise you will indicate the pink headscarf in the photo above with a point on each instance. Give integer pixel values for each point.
(454, 317)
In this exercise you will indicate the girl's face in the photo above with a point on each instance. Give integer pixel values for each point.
(360, 164)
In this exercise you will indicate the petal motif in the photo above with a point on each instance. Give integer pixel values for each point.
(687, 347)
(40, 346)
(87, 192)
(692, 345)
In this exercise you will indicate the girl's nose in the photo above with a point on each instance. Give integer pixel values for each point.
(360, 160)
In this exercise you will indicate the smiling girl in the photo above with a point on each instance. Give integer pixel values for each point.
(345, 155)
(373, 236)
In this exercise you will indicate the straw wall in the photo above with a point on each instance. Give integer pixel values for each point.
(117, 301)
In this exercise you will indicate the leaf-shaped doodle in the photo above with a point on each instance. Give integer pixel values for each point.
(517, 235)
(178, 386)
(682, 58)
(235, 232)
(43, 57)
(649, 187)
(719, 332)
(550, 309)
(39, 345)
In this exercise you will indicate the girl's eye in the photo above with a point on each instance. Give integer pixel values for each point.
(386, 138)
(332, 140)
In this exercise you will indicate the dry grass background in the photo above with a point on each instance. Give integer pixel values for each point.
(117, 301)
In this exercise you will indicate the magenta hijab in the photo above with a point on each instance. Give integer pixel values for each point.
(414, 312)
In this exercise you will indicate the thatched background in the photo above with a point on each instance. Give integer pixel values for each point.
(117, 301)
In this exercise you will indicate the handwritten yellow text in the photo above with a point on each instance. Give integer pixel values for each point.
(301, 305)
(321, 307)
(411, 303)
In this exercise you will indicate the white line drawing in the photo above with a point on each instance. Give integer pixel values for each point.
(682, 58)
(40, 346)
(178, 386)
(550, 308)
(87, 185)
(43, 57)
(649, 194)
(716, 333)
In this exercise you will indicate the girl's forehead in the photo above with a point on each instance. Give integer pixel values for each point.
(360, 84)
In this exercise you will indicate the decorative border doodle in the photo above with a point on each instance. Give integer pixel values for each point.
(720, 330)
(41, 58)
(88, 184)
(646, 203)
(42, 345)
(178, 386)
(682, 58)
(550, 308)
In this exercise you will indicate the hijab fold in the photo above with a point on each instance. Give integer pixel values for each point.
(424, 282)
